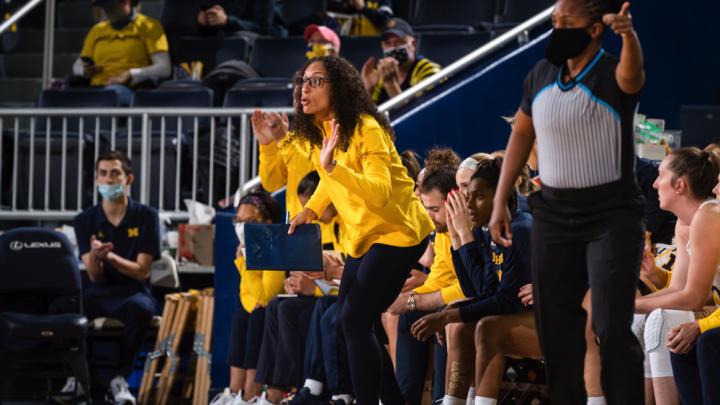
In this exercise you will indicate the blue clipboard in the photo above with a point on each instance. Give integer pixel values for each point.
(269, 247)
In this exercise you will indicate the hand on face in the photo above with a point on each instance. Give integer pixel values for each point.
(389, 69)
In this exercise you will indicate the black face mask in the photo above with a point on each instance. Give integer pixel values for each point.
(400, 54)
(566, 43)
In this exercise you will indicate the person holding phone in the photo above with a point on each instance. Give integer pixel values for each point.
(579, 102)
(400, 67)
(362, 175)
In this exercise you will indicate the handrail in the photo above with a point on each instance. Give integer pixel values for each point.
(467, 60)
(150, 111)
(28, 7)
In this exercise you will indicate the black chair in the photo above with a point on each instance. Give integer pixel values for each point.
(447, 48)
(42, 329)
(517, 11)
(278, 57)
(212, 51)
(454, 12)
(297, 14)
(357, 50)
(263, 92)
(190, 97)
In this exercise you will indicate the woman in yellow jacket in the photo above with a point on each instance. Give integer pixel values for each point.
(256, 289)
(351, 146)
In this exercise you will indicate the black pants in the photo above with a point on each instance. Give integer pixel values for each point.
(580, 238)
(283, 344)
(412, 361)
(135, 308)
(245, 338)
(369, 285)
(696, 373)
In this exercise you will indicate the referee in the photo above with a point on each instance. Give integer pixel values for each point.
(587, 231)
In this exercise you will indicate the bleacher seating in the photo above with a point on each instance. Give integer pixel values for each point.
(278, 57)
(262, 92)
(358, 49)
(298, 14)
(212, 51)
(516, 11)
(454, 12)
(445, 48)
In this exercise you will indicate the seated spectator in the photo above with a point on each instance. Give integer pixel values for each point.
(400, 68)
(371, 15)
(685, 184)
(227, 17)
(440, 288)
(127, 50)
(256, 289)
(489, 275)
(321, 41)
(118, 240)
(694, 349)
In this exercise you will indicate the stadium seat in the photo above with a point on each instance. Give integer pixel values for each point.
(212, 51)
(517, 11)
(74, 98)
(31, 64)
(358, 49)
(454, 12)
(278, 57)
(447, 48)
(263, 92)
(298, 14)
(42, 329)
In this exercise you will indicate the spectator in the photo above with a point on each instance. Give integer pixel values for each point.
(685, 184)
(400, 68)
(118, 240)
(371, 15)
(256, 289)
(321, 41)
(127, 50)
(227, 17)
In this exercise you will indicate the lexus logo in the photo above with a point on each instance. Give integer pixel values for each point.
(17, 245)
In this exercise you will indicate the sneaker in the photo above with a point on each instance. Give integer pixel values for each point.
(240, 401)
(305, 397)
(119, 393)
(72, 387)
(224, 398)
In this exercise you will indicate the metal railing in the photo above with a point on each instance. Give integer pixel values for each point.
(54, 152)
(49, 44)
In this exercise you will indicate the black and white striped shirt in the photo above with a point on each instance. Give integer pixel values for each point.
(584, 127)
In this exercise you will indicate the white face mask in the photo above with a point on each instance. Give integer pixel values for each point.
(240, 232)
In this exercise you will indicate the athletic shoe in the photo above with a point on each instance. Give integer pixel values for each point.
(224, 398)
(240, 401)
(305, 397)
(119, 393)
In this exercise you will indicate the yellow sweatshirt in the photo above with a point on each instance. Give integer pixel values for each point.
(442, 272)
(258, 286)
(283, 164)
(371, 191)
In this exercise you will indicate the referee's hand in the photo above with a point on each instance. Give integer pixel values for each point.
(620, 23)
(499, 225)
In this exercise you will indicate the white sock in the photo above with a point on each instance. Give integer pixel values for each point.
(471, 396)
(596, 401)
(485, 401)
(315, 387)
(345, 397)
(450, 400)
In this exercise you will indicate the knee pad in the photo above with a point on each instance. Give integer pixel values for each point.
(657, 326)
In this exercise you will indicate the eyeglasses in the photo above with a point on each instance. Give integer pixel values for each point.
(313, 81)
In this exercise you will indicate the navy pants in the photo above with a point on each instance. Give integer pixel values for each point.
(696, 373)
(412, 356)
(134, 307)
(245, 338)
(320, 362)
(369, 285)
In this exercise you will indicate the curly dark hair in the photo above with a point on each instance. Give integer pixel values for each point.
(438, 157)
(348, 99)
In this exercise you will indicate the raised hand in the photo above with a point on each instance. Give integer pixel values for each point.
(278, 124)
(620, 23)
(370, 74)
(261, 128)
(328, 147)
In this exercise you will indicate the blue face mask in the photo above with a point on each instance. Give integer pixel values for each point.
(111, 192)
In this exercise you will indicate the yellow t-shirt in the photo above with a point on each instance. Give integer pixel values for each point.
(371, 191)
(442, 272)
(118, 51)
(283, 164)
(258, 286)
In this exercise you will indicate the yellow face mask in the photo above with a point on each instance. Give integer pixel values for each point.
(318, 50)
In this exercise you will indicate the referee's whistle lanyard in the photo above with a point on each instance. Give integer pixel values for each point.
(566, 43)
